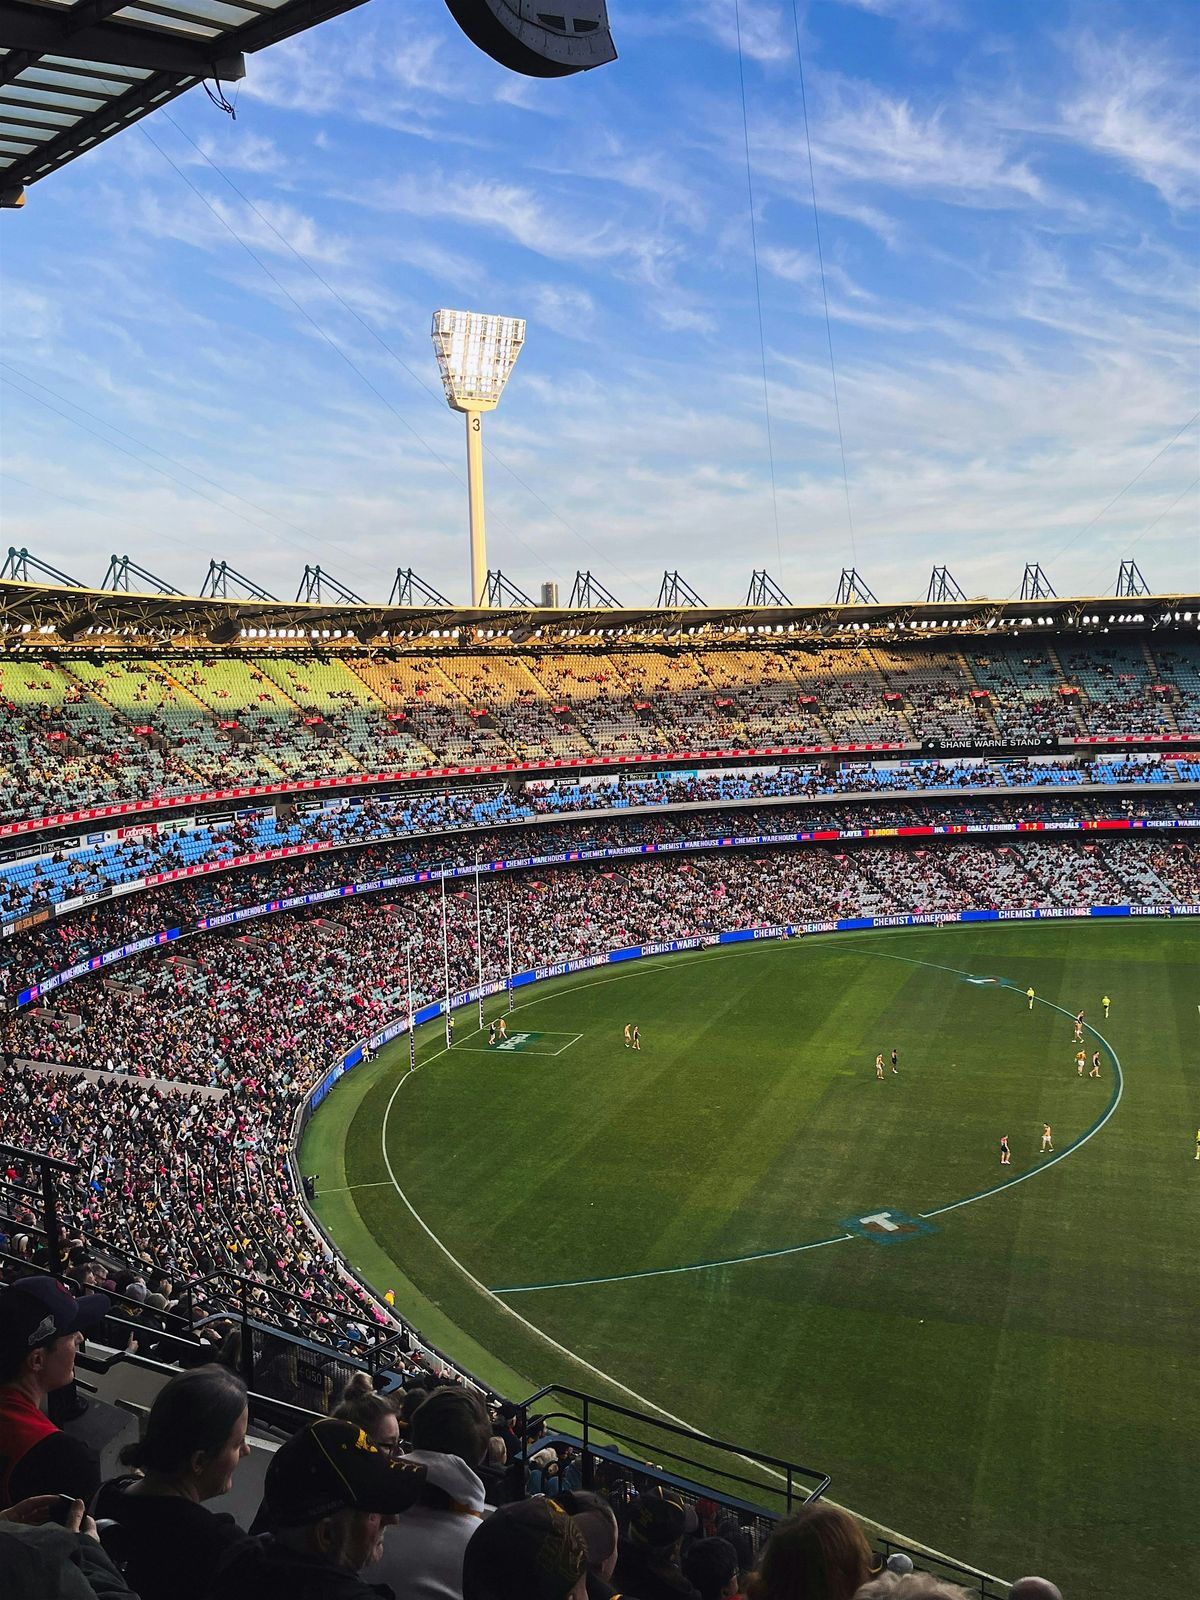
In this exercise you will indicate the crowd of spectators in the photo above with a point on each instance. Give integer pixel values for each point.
(441, 1507)
(198, 1058)
(49, 947)
(82, 731)
(37, 876)
(174, 1081)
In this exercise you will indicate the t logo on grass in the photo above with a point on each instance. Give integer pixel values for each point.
(887, 1226)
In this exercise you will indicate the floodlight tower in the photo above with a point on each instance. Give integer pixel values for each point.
(476, 352)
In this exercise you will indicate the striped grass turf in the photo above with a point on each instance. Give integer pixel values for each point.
(1018, 1387)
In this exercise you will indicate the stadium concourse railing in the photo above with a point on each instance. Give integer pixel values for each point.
(431, 875)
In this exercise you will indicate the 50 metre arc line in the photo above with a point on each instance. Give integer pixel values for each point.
(494, 1291)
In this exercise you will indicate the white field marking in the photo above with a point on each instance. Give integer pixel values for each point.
(1011, 1183)
(670, 1272)
(351, 1187)
(508, 1047)
(572, 1041)
(598, 1372)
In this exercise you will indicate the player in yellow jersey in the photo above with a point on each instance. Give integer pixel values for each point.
(1106, 1002)
(879, 1066)
(1047, 1139)
(502, 1028)
(628, 1039)
(1080, 1061)
(1029, 996)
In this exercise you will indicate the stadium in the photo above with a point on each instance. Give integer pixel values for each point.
(747, 1052)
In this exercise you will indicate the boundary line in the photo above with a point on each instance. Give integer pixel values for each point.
(579, 1361)
(796, 1249)
(598, 1372)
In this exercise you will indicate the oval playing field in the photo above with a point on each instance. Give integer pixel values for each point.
(742, 1224)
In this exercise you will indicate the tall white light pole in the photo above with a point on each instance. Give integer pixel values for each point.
(476, 352)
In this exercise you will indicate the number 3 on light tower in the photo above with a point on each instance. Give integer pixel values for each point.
(475, 424)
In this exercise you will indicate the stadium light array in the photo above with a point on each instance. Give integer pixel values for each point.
(476, 352)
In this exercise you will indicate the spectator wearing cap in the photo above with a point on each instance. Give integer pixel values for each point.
(531, 1550)
(423, 1556)
(328, 1497)
(648, 1560)
(821, 1553)
(41, 1324)
(711, 1566)
(730, 1529)
(595, 1520)
(168, 1543)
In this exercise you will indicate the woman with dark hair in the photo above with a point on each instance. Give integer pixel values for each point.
(819, 1554)
(168, 1544)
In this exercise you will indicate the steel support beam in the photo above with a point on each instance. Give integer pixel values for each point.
(31, 32)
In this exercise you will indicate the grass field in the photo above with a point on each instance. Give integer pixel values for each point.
(1017, 1386)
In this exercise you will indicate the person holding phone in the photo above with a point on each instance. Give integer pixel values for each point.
(49, 1546)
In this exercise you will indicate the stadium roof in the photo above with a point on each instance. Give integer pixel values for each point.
(74, 72)
(45, 615)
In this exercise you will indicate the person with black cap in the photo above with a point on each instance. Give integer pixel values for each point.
(531, 1550)
(648, 1561)
(41, 1328)
(328, 1496)
(595, 1519)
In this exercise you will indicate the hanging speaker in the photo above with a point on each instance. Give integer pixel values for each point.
(539, 38)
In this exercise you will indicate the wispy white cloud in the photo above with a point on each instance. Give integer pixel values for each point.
(1138, 103)
(522, 215)
(1014, 331)
(914, 13)
(564, 309)
(273, 227)
(870, 135)
(766, 29)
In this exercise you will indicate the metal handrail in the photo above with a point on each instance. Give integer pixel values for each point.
(789, 1469)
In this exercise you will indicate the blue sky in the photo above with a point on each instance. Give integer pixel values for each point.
(214, 334)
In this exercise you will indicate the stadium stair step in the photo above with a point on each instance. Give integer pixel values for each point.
(92, 693)
(427, 748)
(1077, 701)
(973, 682)
(1156, 676)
